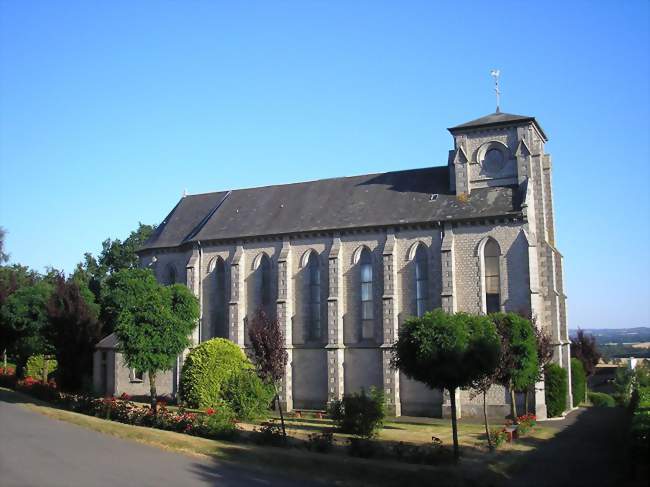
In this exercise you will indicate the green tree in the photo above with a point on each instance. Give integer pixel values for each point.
(519, 366)
(152, 322)
(23, 317)
(4, 257)
(11, 279)
(116, 255)
(447, 351)
(73, 329)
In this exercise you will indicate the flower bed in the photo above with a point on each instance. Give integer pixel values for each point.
(511, 430)
(214, 424)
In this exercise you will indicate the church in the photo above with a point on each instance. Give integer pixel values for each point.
(342, 262)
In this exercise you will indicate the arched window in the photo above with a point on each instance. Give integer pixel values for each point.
(313, 316)
(264, 276)
(170, 278)
(367, 302)
(421, 280)
(220, 329)
(492, 288)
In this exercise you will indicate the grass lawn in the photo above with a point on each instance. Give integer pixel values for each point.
(477, 464)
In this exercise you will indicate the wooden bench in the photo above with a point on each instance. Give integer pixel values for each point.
(318, 414)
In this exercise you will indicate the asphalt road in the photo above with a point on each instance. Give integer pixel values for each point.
(39, 451)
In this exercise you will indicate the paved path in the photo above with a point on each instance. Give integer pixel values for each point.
(39, 451)
(587, 451)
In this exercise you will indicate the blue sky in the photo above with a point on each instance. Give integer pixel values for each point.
(109, 110)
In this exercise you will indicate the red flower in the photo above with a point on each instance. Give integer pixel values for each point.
(210, 411)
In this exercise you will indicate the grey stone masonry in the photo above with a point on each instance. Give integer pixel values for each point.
(335, 347)
(448, 264)
(284, 314)
(390, 316)
(237, 297)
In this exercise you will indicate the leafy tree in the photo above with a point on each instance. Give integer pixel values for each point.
(584, 348)
(519, 364)
(447, 351)
(11, 279)
(74, 329)
(4, 257)
(152, 322)
(117, 255)
(23, 317)
(269, 354)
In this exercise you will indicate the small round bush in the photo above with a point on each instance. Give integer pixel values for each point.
(360, 414)
(207, 368)
(602, 400)
(556, 384)
(247, 395)
(578, 381)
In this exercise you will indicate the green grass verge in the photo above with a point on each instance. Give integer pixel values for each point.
(337, 468)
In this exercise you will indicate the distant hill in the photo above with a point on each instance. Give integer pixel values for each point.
(617, 335)
(620, 342)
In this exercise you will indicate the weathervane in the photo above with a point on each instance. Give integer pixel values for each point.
(495, 74)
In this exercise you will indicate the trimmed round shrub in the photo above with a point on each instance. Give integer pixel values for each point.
(359, 413)
(217, 371)
(556, 384)
(247, 395)
(35, 365)
(578, 381)
(602, 400)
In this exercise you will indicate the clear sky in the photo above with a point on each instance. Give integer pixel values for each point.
(109, 110)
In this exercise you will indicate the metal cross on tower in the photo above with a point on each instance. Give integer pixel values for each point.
(495, 74)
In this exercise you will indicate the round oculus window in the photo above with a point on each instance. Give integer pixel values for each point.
(493, 161)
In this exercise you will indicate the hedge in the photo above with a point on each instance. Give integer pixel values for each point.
(556, 383)
(217, 372)
(578, 381)
(602, 400)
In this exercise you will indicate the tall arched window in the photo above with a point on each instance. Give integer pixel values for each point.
(367, 302)
(421, 280)
(313, 316)
(220, 328)
(491, 255)
(170, 278)
(264, 276)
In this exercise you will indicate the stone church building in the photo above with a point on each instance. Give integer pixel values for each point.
(342, 262)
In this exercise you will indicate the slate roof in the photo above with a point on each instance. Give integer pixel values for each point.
(497, 119)
(109, 341)
(391, 198)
